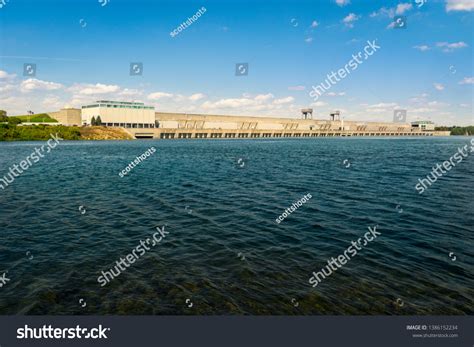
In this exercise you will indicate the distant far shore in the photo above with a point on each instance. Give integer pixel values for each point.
(458, 131)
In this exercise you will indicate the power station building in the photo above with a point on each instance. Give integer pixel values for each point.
(424, 125)
(142, 121)
(68, 116)
(120, 114)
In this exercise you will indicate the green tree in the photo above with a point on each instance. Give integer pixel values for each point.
(457, 130)
(14, 120)
(93, 122)
(98, 121)
(11, 132)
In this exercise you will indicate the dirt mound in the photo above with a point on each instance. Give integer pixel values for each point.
(104, 133)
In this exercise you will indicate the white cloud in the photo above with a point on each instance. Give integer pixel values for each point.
(402, 8)
(438, 86)
(78, 101)
(178, 97)
(308, 40)
(318, 104)
(262, 103)
(387, 105)
(264, 97)
(296, 88)
(130, 92)
(228, 103)
(7, 88)
(314, 24)
(464, 105)
(335, 94)
(422, 48)
(343, 2)
(15, 104)
(445, 46)
(437, 104)
(287, 100)
(6, 76)
(449, 47)
(391, 12)
(382, 108)
(197, 96)
(52, 103)
(459, 5)
(350, 19)
(421, 110)
(391, 25)
(419, 98)
(467, 80)
(159, 95)
(32, 84)
(84, 93)
(421, 104)
(94, 89)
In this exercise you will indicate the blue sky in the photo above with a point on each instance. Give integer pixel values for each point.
(83, 52)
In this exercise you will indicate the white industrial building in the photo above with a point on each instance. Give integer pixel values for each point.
(424, 125)
(120, 114)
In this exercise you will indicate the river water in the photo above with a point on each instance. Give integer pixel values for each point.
(70, 216)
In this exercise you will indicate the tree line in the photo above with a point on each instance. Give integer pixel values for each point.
(456, 130)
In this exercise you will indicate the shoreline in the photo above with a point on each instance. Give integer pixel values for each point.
(238, 138)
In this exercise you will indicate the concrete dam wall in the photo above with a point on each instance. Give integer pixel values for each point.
(188, 126)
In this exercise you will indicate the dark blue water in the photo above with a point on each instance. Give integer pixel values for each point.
(215, 208)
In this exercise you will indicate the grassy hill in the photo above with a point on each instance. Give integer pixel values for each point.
(12, 132)
(36, 118)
